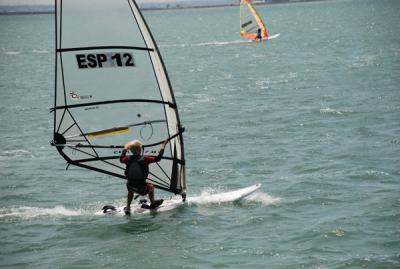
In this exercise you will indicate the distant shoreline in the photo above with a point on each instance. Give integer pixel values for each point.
(164, 8)
(27, 13)
(236, 5)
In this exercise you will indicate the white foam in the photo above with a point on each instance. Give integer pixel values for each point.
(216, 196)
(262, 198)
(207, 196)
(27, 212)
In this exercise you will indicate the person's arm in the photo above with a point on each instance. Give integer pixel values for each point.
(152, 159)
(123, 158)
(161, 153)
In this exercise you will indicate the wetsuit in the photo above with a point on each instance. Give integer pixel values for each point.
(259, 34)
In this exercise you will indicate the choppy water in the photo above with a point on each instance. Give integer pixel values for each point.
(314, 115)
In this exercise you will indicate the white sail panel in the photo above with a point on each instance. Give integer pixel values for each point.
(98, 23)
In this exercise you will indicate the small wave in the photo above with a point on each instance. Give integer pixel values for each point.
(12, 52)
(199, 99)
(40, 51)
(329, 111)
(219, 43)
(26, 212)
(370, 261)
(338, 232)
(16, 151)
(370, 175)
(364, 61)
(395, 141)
(374, 173)
(211, 43)
(7, 154)
(203, 98)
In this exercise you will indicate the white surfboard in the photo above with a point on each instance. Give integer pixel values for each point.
(263, 40)
(273, 36)
(137, 209)
(224, 197)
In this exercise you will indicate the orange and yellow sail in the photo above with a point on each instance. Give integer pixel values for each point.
(250, 22)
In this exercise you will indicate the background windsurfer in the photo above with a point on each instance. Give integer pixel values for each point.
(137, 170)
(258, 37)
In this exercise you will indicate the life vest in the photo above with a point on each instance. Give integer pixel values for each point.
(137, 171)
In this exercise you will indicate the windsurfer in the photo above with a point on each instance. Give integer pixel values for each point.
(258, 37)
(137, 170)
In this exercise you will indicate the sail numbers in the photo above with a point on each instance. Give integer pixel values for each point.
(100, 60)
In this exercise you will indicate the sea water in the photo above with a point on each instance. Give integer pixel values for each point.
(313, 115)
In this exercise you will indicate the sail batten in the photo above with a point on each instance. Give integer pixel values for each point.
(103, 47)
(111, 87)
(115, 101)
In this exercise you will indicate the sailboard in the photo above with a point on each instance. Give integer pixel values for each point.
(111, 87)
(141, 207)
(250, 22)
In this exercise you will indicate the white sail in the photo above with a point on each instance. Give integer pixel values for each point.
(112, 87)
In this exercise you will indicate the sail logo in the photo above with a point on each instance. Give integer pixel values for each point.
(101, 60)
(74, 95)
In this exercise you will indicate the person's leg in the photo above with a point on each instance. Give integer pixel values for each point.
(129, 199)
(150, 189)
(153, 203)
